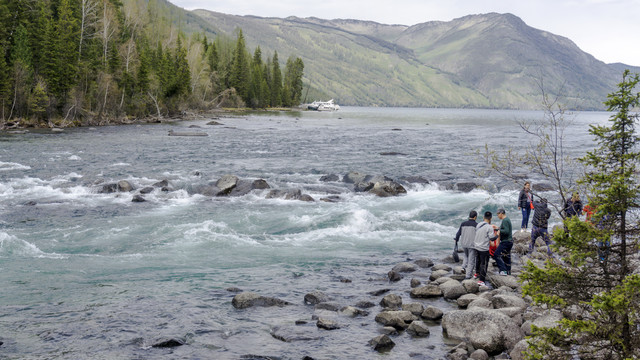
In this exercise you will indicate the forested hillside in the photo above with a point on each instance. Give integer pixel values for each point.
(82, 62)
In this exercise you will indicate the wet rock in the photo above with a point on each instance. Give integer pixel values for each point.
(146, 190)
(250, 299)
(290, 194)
(438, 274)
(424, 263)
(315, 297)
(351, 311)
(382, 343)
(353, 177)
(233, 289)
(379, 292)
(138, 198)
(291, 334)
(391, 301)
(415, 180)
(330, 178)
(538, 187)
(327, 324)
(243, 187)
(213, 122)
(465, 186)
(330, 306)
(108, 188)
(418, 329)
(427, 291)
(365, 304)
(169, 343)
(387, 189)
(331, 199)
(432, 313)
(226, 183)
(389, 330)
(415, 308)
(404, 267)
(124, 186)
(444, 267)
(415, 283)
(394, 276)
(161, 183)
(398, 319)
(306, 197)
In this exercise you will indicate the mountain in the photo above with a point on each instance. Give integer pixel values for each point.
(478, 61)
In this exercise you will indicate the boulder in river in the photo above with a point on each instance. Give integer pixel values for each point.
(250, 299)
(398, 319)
(486, 329)
(315, 297)
(382, 343)
(243, 187)
(227, 183)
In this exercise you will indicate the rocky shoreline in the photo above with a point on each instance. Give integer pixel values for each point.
(484, 321)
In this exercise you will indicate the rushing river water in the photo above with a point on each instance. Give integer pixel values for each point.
(90, 275)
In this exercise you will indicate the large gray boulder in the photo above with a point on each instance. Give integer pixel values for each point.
(404, 267)
(464, 300)
(391, 301)
(506, 301)
(427, 291)
(480, 303)
(485, 329)
(250, 299)
(548, 320)
(418, 329)
(452, 290)
(398, 319)
(243, 187)
(414, 308)
(432, 313)
(382, 343)
(503, 280)
(226, 183)
(438, 274)
(125, 186)
(387, 189)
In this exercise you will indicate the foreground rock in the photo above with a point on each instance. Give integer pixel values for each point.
(486, 329)
(250, 299)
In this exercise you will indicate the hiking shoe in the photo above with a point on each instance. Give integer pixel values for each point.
(503, 273)
(481, 283)
(475, 276)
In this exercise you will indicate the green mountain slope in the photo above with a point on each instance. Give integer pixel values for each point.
(486, 61)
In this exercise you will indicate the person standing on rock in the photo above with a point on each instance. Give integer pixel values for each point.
(485, 234)
(465, 235)
(525, 204)
(540, 224)
(503, 252)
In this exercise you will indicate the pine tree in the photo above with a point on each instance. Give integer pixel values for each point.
(275, 87)
(240, 74)
(183, 75)
(599, 278)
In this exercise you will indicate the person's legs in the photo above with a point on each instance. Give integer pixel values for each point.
(471, 263)
(483, 263)
(465, 258)
(545, 236)
(535, 232)
(504, 249)
(506, 256)
(525, 218)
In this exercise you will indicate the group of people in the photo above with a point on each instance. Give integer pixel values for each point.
(477, 241)
(482, 241)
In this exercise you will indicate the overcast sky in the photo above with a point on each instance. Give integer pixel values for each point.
(607, 29)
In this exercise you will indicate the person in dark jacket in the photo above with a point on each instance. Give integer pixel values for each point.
(466, 234)
(524, 204)
(573, 206)
(503, 252)
(540, 225)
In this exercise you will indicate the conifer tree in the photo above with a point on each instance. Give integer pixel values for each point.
(600, 277)
(240, 73)
(275, 87)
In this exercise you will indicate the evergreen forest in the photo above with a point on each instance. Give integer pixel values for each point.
(96, 62)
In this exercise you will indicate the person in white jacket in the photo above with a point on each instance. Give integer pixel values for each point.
(485, 234)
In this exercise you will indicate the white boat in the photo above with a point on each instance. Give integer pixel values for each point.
(324, 106)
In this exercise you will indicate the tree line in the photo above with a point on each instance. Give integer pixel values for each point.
(89, 62)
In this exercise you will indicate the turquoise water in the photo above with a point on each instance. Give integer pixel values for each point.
(91, 275)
